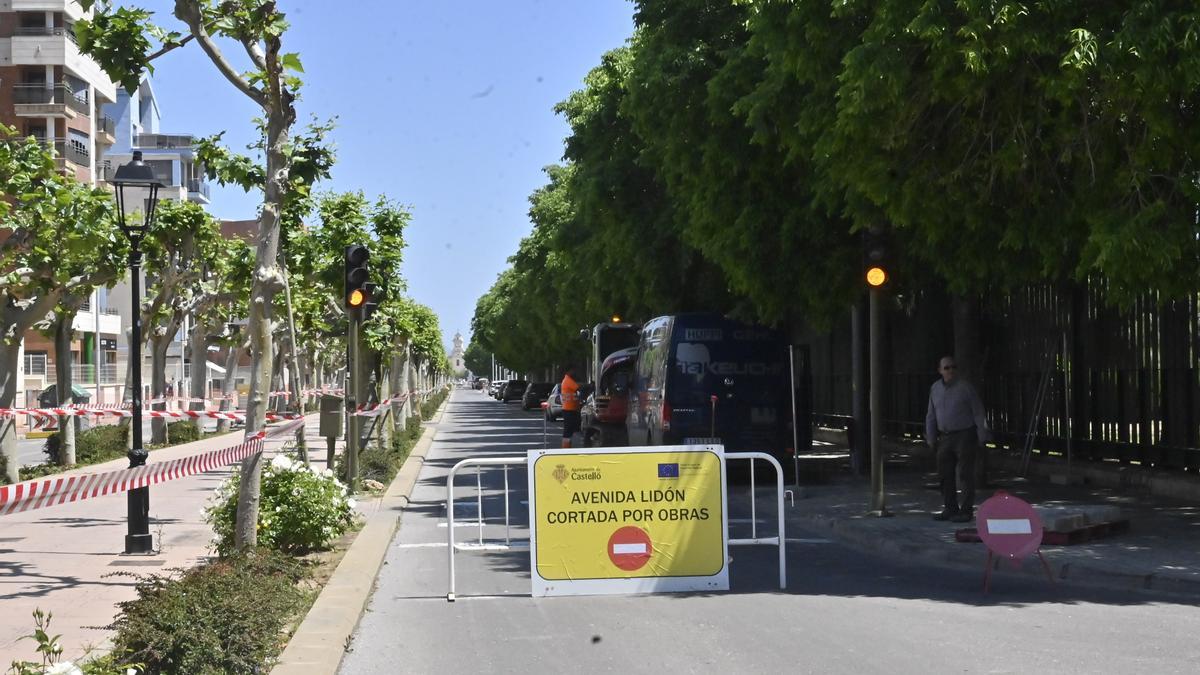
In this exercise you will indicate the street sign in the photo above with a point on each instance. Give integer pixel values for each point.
(1009, 526)
(633, 520)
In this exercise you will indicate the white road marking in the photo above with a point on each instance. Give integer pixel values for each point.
(467, 546)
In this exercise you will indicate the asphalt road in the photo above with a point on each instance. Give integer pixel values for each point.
(843, 611)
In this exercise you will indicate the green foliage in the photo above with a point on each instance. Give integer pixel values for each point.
(183, 431)
(301, 510)
(101, 443)
(376, 464)
(428, 408)
(62, 236)
(50, 650)
(729, 155)
(118, 40)
(227, 616)
(478, 359)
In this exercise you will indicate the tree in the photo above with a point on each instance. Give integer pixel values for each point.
(120, 40)
(57, 238)
(477, 359)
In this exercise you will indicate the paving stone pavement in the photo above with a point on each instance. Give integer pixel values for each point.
(61, 559)
(1160, 551)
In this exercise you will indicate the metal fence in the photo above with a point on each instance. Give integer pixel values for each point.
(1121, 383)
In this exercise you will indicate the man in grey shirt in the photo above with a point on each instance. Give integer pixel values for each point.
(955, 426)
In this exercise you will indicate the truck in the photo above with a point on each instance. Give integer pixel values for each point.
(613, 354)
(704, 378)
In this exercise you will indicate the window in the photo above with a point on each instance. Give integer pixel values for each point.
(35, 363)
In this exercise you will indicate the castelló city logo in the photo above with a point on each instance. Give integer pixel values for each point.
(560, 473)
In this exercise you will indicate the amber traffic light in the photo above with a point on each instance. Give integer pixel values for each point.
(356, 276)
(877, 256)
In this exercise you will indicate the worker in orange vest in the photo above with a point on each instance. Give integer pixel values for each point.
(569, 389)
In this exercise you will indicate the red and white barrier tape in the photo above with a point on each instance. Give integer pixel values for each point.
(317, 392)
(50, 413)
(37, 494)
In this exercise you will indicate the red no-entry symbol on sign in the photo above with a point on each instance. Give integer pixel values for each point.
(629, 548)
(1009, 526)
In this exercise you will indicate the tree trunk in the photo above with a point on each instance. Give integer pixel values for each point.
(9, 353)
(966, 339)
(63, 331)
(266, 284)
(407, 411)
(13, 325)
(229, 384)
(199, 349)
(158, 382)
(399, 377)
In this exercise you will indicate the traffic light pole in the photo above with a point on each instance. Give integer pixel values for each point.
(352, 390)
(878, 505)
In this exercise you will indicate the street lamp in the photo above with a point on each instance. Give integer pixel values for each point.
(137, 175)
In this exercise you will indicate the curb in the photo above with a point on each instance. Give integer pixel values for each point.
(973, 558)
(320, 641)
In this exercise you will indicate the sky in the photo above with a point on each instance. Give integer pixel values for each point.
(446, 107)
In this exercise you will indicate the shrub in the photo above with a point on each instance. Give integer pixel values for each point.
(224, 617)
(429, 407)
(376, 464)
(52, 448)
(183, 431)
(101, 443)
(300, 509)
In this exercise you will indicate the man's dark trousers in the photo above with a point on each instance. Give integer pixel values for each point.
(956, 453)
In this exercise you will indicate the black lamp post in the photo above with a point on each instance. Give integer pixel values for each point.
(137, 174)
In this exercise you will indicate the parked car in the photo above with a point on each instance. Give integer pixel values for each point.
(535, 393)
(514, 390)
(554, 404)
(494, 389)
(704, 379)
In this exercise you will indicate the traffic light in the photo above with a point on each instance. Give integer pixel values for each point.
(877, 263)
(371, 303)
(357, 291)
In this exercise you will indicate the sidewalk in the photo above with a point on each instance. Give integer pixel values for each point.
(1160, 551)
(60, 559)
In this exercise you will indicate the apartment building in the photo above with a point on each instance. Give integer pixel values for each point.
(138, 127)
(50, 91)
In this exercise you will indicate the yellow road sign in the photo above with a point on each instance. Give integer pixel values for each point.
(628, 514)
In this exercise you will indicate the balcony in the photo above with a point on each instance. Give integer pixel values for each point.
(73, 151)
(44, 31)
(106, 130)
(38, 100)
(68, 153)
(199, 188)
(163, 141)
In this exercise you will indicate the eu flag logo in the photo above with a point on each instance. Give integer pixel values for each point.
(668, 470)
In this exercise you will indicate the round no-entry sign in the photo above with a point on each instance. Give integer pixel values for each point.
(1009, 526)
(629, 548)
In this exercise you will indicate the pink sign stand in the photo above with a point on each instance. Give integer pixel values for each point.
(1011, 529)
